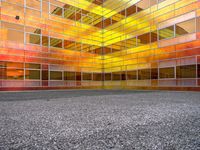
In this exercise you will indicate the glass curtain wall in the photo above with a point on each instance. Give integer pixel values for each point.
(144, 44)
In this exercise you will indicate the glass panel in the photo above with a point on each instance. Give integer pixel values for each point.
(12, 26)
(198, 71)
(14, 65)
(32, 66)
(116, 76)
(166, 33)
(185, 27)
(166, 72)
(154, 36)
(143, 4)
(55, 42)
(154, 73)
(45, 75)
(107, 76)
(198, 24)
(55, 75)
(132, 75)
(45, 41)
(143, 39)
(87, 76)
(144, 74)
(33, 38)
(33, 4)
(188, 71)
(69, 76)
(32, 74)
(56, 10)
(78, 76)
(14, 74)
(15, 36)
(97, 76)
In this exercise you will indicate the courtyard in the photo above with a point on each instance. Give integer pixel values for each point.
(100, 120)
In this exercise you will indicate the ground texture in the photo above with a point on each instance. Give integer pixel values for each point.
(100, 120)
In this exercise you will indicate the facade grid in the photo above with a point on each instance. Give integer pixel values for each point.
(129, 44)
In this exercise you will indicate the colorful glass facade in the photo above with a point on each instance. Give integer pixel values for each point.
(130, 44)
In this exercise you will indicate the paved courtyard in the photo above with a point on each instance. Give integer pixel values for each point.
(100, 120)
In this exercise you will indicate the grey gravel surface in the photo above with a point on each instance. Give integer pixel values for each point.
(117, 120)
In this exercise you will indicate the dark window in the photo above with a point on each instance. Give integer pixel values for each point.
(154, 36)
(132, 75)
(55, 75)
(45, 75)
(107, 76)
(97, 76)
(166, 72)
(188, 71)
(144, 74)
(69, 76)
(78, 76)
(87, 76)
(198, 71)
(32, 74)
(154, 73)
(116, 76)
(143, 39)
(45, 41)
(33, 38)
(55, 42)
(32, 66)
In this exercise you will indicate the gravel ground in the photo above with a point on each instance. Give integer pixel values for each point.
(117, 120)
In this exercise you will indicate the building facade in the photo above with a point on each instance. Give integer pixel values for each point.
(123, 44)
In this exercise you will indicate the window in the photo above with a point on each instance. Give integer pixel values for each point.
(185, 27)
(154, 73)
(45, 75)
(116, 76)
(188, 71)
(166, 33)
(166, 73)
(132, 75)
(154, 36)
(55, 75)
(33, 38)
(56, 42)
(78, 76)
(32, 74)
(144, 74)
(87, 76)
(58, 11)
(97, 77)
(14, 74)
(107, 76)
(143, 39)
(45, 41)
(32, 66)
(69, 76)
(129, 11)
(198, 70)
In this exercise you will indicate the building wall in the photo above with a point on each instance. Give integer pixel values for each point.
(138, 44)
(152, 44)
